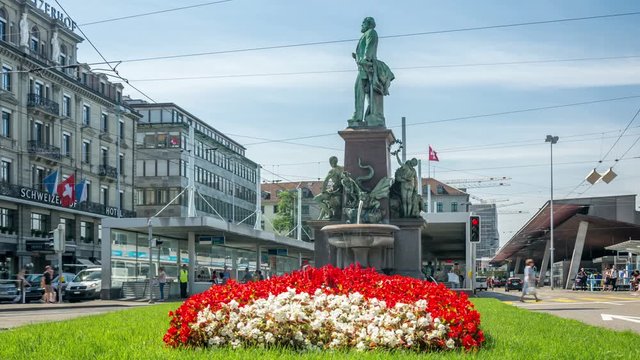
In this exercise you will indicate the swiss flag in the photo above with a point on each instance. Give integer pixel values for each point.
(67, 191)
(433, 155)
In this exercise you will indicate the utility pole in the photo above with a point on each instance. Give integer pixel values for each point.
(118, 170)
(299, 214)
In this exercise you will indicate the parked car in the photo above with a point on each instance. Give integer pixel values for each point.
(498, 282)
(513, 283)
(66, 278)
(8, 291)
(86, 285)
(35, 292)
(481, 283)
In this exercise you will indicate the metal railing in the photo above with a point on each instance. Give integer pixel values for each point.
(39, 101)
(107, 170)
(37, 147)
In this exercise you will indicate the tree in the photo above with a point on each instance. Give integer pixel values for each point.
(283, 222)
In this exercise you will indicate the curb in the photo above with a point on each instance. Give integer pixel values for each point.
(45, 307)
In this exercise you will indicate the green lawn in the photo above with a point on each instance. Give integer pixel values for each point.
(511, 333)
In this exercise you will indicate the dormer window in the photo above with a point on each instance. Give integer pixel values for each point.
(440, 190)
(63, 55)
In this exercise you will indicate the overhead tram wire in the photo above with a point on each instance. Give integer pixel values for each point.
(418, 67)
(602, 159)
(326, 42)
(469, 117)
(155, 12)
(113, 68)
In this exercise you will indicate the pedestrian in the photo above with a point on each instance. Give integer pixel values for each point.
(529, 287)
(614, 278)
(23, 284)
(259, 275)
(47, 276)
(581, 280)
(184, 279)
(162, 281)
(247, 276)
(214, 277)
(222, 280)
(606, 276)
(227, 273)
(635, 282)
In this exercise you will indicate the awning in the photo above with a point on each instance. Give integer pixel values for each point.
(85, 262)
(632, 246)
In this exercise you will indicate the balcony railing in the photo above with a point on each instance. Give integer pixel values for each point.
(49, 151)
(39, 101)
(108, 171)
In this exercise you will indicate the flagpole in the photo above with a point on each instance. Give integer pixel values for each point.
(429, 182)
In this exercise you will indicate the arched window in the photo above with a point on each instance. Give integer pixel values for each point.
(35, 39)
(3, 25)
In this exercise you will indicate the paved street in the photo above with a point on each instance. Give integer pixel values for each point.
(615, 310)
(13, 315)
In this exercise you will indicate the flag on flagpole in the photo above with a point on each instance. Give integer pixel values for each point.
(51, 182)
(66, 191)
(81, 191)
(433, 155)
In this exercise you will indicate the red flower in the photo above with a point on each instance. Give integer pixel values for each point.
(452, 308)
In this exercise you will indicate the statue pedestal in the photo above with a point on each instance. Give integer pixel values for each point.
(407, 250)
(371, 146)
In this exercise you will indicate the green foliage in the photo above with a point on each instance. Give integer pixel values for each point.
(283, 222)
(512, 333)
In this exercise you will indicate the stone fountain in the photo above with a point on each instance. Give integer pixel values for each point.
(367, 216)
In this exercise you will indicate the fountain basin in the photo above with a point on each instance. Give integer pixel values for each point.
(360, 235)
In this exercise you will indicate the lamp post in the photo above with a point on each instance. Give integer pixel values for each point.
(551, 140)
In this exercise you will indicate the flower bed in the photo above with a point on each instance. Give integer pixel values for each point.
(328, 308)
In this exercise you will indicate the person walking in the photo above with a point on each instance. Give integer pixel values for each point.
(47, 276)
(162, 281)
(529, 287)
(23, 284)
(614, 278)
(184, 279)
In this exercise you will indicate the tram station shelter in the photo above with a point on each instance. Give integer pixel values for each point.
(584, 229)
(205, 244)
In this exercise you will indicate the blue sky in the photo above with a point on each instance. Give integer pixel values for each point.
(283, 107)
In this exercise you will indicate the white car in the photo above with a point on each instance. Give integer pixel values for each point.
(86, 285)
(481, 283)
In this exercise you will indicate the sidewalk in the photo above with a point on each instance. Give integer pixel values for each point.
(8, 307)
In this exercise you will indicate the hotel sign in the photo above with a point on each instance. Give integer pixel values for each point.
(54, 13)
(50, 199)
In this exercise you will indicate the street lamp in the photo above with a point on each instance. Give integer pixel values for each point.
(551, 140)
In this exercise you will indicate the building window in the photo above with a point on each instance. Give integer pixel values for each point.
(63, 55)
(86, 151)
(86, 232)
(6, 219)
(66, 144)
(454, 207)
(104, 195)
(39, 222)
(118, 96)
(121, 162)
(88, 190)
(102, 87)
(121, 204)
(6, 78)
(86, 115)
(6, 124)
(35, 39)
(439, 207)
(3, 25)
(5, 171)
(104, 154)
(66, 106)
(104, 122)
(121, 130)
(38, 178)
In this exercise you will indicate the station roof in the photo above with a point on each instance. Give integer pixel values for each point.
(239, 236)
(604, 230)
(631, 246)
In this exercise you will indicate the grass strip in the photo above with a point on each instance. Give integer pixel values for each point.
(512, 333)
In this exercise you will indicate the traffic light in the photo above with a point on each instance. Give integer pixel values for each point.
(474, 229)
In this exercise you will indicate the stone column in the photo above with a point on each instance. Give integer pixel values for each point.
(577, 253)
(545, 264)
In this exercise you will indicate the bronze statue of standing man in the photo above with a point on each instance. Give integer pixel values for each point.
(372, 83)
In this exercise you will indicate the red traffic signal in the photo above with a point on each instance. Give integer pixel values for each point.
(474, 229)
